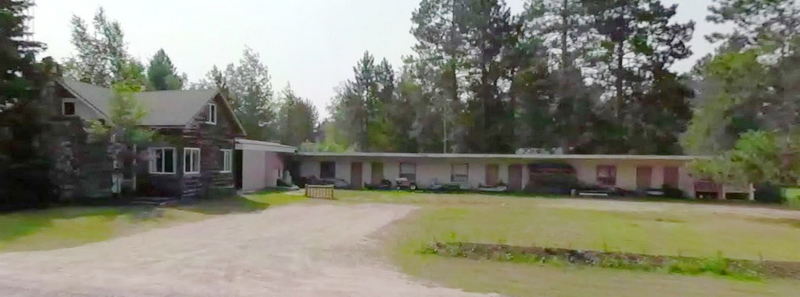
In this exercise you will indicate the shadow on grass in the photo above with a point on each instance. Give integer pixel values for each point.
(229, 205)
(23, 223)
(244, 204)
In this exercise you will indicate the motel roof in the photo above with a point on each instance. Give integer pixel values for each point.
(502, 156)
(264, 146)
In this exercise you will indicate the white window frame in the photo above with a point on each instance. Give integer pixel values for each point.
(192, 161)
(153, 169)
(211, 117)
(74, 107)
(227, 160)
(453, 174)
(413, 167)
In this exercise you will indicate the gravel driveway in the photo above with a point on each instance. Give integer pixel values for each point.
(301, 250)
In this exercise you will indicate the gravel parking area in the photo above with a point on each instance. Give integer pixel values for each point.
(313, 249)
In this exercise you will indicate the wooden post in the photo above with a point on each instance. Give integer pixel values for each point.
(721, 192)
(751, 192)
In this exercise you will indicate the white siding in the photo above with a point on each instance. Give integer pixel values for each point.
(430, 171)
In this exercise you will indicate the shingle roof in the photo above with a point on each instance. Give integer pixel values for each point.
(166, 108)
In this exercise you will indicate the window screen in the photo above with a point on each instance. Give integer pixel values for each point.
(409, 171)
(327, 169)
(459, 173)
(607, 175)
(191, 160)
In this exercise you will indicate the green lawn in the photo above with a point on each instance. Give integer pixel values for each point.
(654, 228)
(63, 227)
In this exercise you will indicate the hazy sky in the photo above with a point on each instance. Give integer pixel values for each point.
(312, 44)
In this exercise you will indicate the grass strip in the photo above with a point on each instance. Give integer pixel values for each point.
(719, 265)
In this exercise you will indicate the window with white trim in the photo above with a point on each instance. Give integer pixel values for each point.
(227, 160)
(162, 160)
(191, 160)
(212, 114)
(408, 171)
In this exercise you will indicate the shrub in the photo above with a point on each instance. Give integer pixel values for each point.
(791, 197)
(672, 192)
(768, 193)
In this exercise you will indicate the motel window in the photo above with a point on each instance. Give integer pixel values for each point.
(459, 173)
(607, 175)
(68, 108)
(327, 169)
(227, 160)
(191, 160)
(408, 171)
(162, 160)
(671, 177)
(212, 113)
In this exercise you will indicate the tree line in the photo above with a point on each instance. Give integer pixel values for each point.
(575, 76)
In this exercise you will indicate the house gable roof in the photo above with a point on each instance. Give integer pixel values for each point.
(165, 108)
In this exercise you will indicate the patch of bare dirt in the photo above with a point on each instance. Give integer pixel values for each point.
(302, 250)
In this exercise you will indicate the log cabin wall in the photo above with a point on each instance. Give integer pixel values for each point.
(211, 139)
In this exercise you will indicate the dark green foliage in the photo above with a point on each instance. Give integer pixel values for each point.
(161, 73)
(769, 193)
(297, 119)
(578, 76)
(248, 88)
(362, 106)
(24, 159)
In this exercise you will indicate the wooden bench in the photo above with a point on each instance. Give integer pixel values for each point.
(320, 191)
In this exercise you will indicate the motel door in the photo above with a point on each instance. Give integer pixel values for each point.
(356, 176)
(515, 177)
(644, 175)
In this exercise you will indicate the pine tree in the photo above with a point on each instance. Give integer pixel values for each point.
(297, 119)
(641, 42)
(249, 87)
(490, 35)
(161, 73)
(24, 162)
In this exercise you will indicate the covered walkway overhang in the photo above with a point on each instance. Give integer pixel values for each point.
(260, 164)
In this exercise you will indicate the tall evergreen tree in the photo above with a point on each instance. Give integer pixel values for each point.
(490, 35)
(360, 106)
(161, 73)
(249, 87)
(297, 119)
(555, 52)
(24, 162)
(441, 46)
(641, 42)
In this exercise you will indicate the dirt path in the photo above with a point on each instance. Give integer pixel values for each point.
(301, 250)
